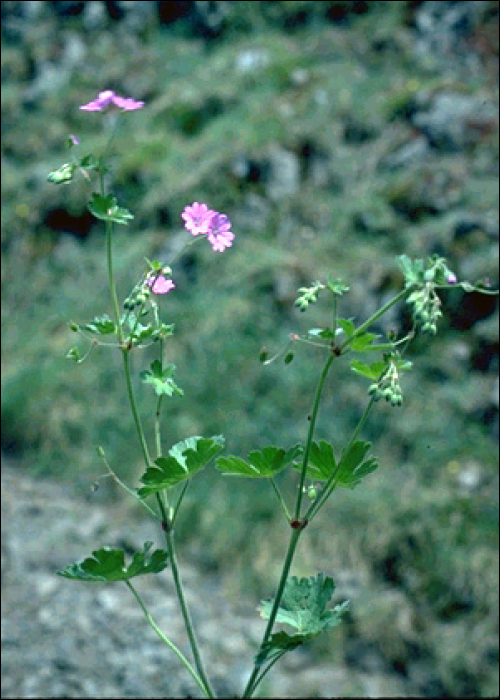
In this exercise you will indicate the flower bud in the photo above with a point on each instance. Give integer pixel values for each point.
(74, 326)
(312, 492)
(372, 389)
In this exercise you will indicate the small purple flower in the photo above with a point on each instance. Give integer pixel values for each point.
(107, 98)
(451, 278)
(198, 218)
(160, 284)
(220, 236)
(75, 141)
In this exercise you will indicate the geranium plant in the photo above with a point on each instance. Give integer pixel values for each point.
(317, 468)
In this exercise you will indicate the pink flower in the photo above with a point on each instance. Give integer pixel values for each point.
(451, 278)
(160, 284)
(107, 98)
(219, 236)
(197, 218)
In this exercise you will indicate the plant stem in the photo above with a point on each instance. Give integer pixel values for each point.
(295, 535)
(137, 421)
(375, 316)
(167, 641)
(312, 425)
(280, 498)
(294, 538)
(266, 671)
(169, 536)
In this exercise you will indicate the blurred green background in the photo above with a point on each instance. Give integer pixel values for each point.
(336, 136)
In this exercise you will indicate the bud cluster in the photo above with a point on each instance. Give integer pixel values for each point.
(426, 306)
(388, 387)
(138, 296)
(308, 295)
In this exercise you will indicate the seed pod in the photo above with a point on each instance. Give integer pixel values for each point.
(288, 358)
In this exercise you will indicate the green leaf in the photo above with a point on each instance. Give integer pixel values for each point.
(372, 371)
(101, 325)
(413, 270)
(107, 209)
(352, 469)
(108, 564)
(361, 343)
(161, 379)
(89, 162)
(184, 460)
(326, 333)
(263, 464)
(279, 644)
(321, 461)
(304, 605)
(347, 326)
(337, 287)
(63, 175)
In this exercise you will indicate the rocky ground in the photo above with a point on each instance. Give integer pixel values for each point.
(63, 639)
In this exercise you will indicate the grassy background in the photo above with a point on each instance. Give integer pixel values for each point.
(284, 116)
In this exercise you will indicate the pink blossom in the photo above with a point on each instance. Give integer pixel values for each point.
(107, 98)
(197, 218)
(75, 141)
(160, 284)
(219, 236)
(451, 278)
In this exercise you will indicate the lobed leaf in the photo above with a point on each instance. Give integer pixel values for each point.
(321, 462)
(101, 325)
(108, 564)
(352, 467)
(372, 371)
(304, 607)
(107, 209)
(263, 464)
(161, 379)
(183, 461)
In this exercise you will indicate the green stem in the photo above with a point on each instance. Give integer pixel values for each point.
(119, 332)
(179, 501)
(167, 641)
(130, 491)
(137, 421)
(312, 425)
(169, 536)
(265, 672)
(375, 316)
(280, 499)
(294, 538)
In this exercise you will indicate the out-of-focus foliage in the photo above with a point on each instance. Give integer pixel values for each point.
(336, 136)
